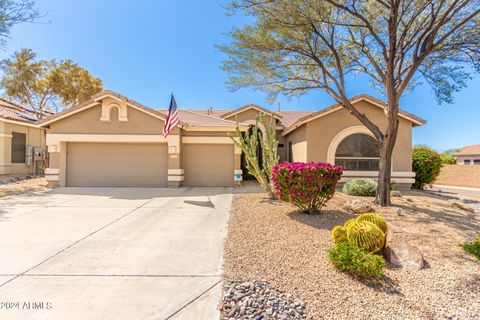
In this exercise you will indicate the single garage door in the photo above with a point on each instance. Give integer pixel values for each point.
(117, 164)
(208, 165)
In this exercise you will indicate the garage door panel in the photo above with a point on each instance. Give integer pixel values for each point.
(117, 164)
(208, 165)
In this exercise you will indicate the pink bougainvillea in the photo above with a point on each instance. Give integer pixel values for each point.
(308, 186)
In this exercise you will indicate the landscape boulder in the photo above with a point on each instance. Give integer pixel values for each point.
(399, 252)
(460, 205)
(358, 206)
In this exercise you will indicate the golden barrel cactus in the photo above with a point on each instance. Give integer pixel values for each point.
(339, 236)
(348, 223)
(376, 219)
(365, 236)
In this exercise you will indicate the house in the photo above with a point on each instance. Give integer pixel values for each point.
(468, 155)
(19, 138)
(111, 140)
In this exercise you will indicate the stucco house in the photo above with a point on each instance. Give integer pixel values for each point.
(19, 137)
(111, 140)
(469, 155)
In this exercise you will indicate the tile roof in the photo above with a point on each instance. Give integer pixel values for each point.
(287, 120)
(287, 117)
(468, 150)
(14, 112)
(201, 118)
(290, 117)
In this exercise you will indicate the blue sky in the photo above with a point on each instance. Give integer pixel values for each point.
(146, 49)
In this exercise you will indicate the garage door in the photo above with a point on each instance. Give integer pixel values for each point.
(208, 165)
(117, 164)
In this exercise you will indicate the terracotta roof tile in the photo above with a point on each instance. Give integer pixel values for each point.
(194, 118)
(290, 117)
(468, 150)
(288, 120)
(14, 112)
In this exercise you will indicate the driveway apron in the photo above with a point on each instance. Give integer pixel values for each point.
(113, 253)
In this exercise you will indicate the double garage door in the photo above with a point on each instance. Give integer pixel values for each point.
(146, 164)
(117, 164)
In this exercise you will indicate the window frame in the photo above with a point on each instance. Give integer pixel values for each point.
(356, 161)
(18, 150)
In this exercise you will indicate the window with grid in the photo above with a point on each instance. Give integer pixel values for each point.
(358, 152)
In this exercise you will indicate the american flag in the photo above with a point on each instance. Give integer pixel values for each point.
(172, 118)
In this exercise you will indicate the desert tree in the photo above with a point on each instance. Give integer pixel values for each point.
(13, 12)
(295, 46)
(45, 85)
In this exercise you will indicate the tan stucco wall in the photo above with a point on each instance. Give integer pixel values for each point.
(299, 144)
(88, 121)
(35, 137)
(321, 131)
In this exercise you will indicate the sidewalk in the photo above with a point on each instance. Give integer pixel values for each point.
(472, 192)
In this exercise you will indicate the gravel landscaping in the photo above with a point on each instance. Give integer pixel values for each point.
(11, 185)
(271, 241)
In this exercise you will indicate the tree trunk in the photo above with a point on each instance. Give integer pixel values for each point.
(386, 151)
(384, 175)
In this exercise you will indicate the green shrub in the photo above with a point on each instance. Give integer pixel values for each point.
(447, 158)
(357, 262)
(426, 163)
(473, 247)
(361, 187)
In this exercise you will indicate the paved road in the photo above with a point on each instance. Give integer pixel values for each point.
(113, 253)
(473, 192)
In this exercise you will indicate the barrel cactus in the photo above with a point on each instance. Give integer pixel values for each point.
(376, 219)
(365, 236)
(349, 223)
(339, 235)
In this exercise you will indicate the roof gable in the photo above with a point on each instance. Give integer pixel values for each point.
(248, 107)
(96, 100)
(336, 107)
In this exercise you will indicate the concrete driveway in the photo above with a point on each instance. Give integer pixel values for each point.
(112, 253)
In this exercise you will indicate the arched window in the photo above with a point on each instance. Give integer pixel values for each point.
(358, 152)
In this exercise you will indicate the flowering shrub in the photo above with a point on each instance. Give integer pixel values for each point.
(426, 163)
(308, 186)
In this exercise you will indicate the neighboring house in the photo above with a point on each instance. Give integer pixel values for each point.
(468, 155)
(111, 140)
(19, 137)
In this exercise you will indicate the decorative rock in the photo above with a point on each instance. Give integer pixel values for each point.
(358, 206)
(259, 300)
(399, 252)
(460, 205)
